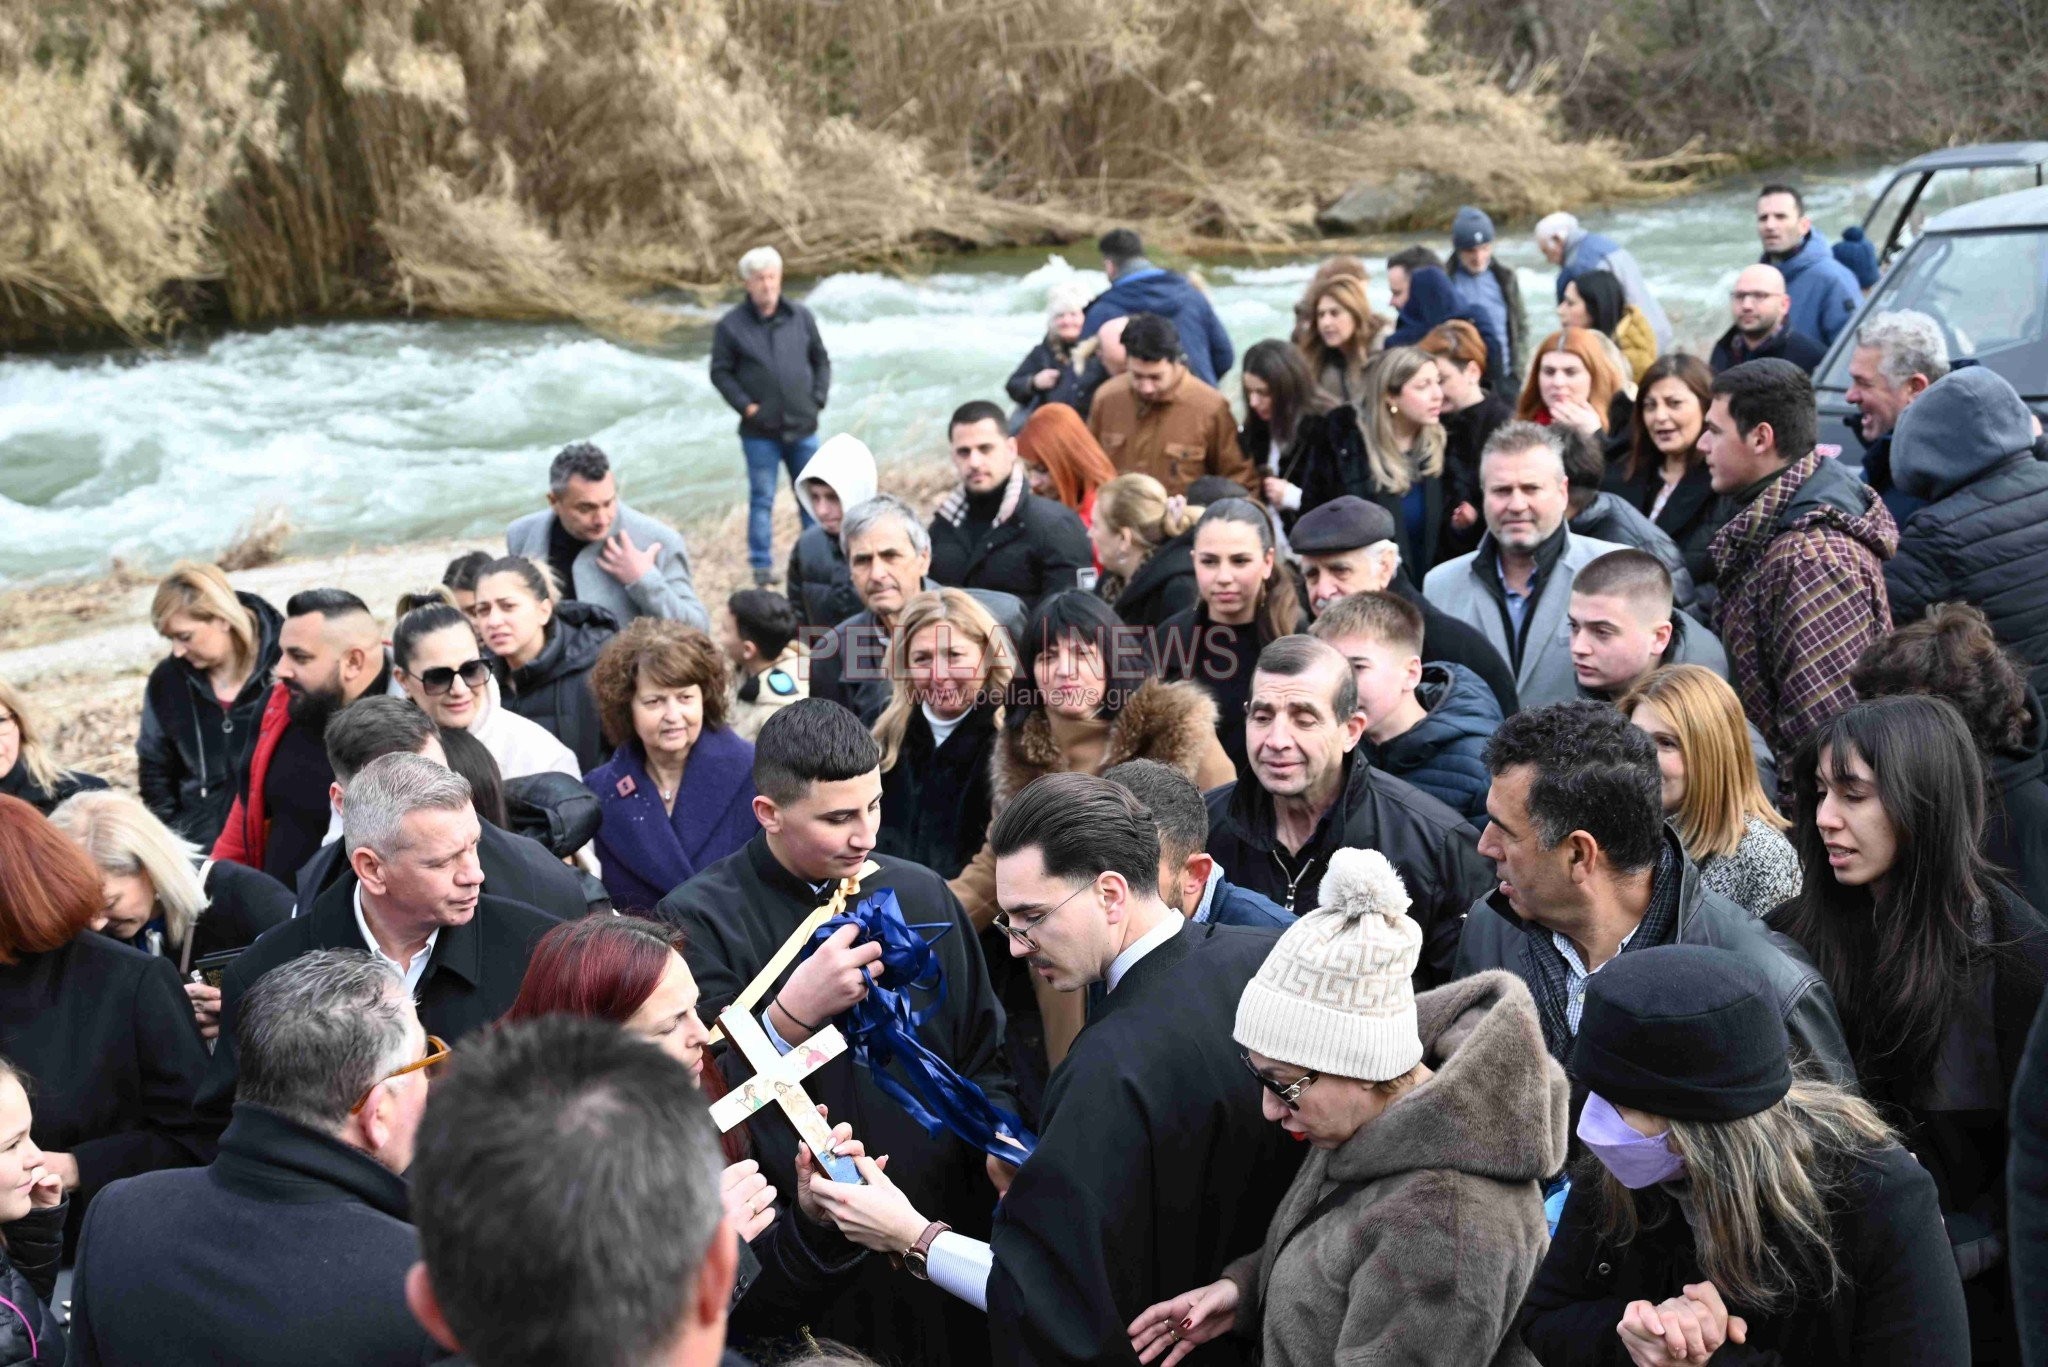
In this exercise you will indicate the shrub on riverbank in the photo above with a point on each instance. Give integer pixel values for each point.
(254, 160)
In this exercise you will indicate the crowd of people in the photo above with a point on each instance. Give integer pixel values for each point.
(1506, 852)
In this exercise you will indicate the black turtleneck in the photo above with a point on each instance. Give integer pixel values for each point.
(982, 510)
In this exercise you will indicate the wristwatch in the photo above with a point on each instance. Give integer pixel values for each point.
(918, 1253)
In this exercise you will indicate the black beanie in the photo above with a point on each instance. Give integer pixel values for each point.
(1687, 1032)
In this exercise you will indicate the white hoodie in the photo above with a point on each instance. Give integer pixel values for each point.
(845, 463)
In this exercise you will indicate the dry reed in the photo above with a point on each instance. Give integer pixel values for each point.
(252, 160)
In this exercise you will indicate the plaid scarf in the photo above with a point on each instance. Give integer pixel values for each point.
(953, 510)
(1549, 973)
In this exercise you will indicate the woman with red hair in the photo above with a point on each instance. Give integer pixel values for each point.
(1573, 383)
(630, 971)
(1064, 459)
(103, 1030)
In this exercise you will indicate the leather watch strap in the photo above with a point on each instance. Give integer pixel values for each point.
(919, 1253)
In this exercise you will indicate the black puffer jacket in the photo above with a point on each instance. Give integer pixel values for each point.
(1435, 851)
(190, 747)
(1163, 587)
(2016, 828)
(29, 1333)
(554, 689)
(1966, 445)
(819, 582)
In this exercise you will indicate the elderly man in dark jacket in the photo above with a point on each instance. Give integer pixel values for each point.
(992, 532)
(294, 1245)
(769, 362)
(1316, 794)
(1587, 870)
(1967, 446)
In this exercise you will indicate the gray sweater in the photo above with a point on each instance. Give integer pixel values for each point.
(665, 592)
(1427, 1258)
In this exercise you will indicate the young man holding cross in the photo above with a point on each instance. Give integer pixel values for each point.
(818, 775)
(1156, 1164)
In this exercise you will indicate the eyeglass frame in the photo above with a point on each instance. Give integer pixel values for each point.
(1289, 1094)
(479, 666)
(1022, 934)
(437, 1052)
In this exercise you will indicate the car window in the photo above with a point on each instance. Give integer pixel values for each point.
(1886, 212)
(1989, 292)
(1963, 185)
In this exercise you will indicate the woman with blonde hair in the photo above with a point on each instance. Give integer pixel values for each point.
(1711, 791)
(1145, 542)
(164, 896)
(1050, 372)
(1574, 383)
(1345, 330)
(1399, 414)
(1724, 1201)
(949, 665)
(27, 768)
(203, 700)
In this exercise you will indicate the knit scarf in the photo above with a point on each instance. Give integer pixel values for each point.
(953, 510)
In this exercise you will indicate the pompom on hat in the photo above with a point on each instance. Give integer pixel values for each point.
(1335, 996)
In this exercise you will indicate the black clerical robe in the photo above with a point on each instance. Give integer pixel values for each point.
(736, 914)
(1155, 1167)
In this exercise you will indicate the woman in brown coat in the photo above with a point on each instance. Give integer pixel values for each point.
(1085, 700)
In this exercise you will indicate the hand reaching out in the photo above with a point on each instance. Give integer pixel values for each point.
(748, 1199)
(1181, 1325)
(843, 1144)
(877, 1216)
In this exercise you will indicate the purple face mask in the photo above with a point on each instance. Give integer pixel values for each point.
(1636, 1160)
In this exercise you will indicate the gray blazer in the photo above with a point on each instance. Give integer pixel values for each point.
(1545, 675)
(666, 592)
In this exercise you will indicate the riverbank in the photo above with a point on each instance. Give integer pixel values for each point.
(82, 649)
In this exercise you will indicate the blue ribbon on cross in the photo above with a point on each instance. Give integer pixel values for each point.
(882, 1029)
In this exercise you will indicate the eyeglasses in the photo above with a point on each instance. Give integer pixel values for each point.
(1290, 1095)
(1022, 933)
(437, 1050)
(434, 682)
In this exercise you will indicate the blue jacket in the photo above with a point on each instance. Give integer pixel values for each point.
(1152, 289)
(1824, 294)
(1481, 297)
(1231, 905)
(1444, 754)
(1599, 252)
(647, 852)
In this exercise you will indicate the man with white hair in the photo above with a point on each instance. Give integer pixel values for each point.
(1516, 588)
(416, 902)
(1347, 546)
(769, 363)
(1896, 357)
(1567, 245)
(303, 1219)
(1763, 324)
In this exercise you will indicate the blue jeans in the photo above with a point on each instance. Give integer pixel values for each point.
(763, 455)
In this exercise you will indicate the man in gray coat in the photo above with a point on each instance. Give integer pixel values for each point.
(1516, 588)
(601, 551)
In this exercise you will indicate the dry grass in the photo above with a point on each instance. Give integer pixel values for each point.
(259, 541)
(267, 159)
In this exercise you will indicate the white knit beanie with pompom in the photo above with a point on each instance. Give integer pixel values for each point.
(1334, 996)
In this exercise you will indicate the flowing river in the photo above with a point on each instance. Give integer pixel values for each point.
(371, 433)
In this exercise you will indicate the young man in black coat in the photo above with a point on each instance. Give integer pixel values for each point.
(1315, 794)
(817, 773)
(1155, 1167)
(994, 533)
(515, 867)
(416, 900)
(294, 1245)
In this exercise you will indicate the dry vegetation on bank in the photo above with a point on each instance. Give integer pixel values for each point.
(255, 160)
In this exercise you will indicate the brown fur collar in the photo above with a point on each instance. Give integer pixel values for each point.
(1173, 723)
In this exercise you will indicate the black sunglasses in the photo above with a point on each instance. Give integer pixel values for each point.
(1290, 1093)
(434, 682)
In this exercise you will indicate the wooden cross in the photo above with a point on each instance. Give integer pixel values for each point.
(778, 1080)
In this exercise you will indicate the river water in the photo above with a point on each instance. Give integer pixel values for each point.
(370, 433)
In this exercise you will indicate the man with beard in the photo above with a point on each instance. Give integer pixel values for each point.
(329, 654)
